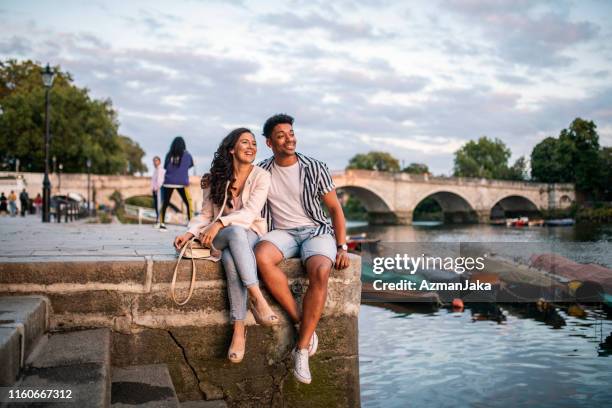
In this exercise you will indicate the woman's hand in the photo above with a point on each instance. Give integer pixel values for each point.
(208, 236)
(182, 240)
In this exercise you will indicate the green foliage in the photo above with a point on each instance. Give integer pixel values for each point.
(574, 157)
(428, 210)
(549, 164)
(605, 159)
(117, 199)
(354, 210)
(80, 127)
(602, 214)
(140, 201)
(416, 168)
(487, 158)
(105, 218)
(381, 161)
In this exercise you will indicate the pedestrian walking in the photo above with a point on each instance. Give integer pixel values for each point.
(24, 200)
(3, 204)
(12, 201)
(38, 203)
(157, 180)
(177, 164)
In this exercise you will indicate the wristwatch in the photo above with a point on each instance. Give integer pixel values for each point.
(342, 246)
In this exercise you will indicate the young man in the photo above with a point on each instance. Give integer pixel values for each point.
(157, 179)
(298, 227)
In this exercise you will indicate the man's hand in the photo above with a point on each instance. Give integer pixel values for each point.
(209, 234)
(182, 240)
(342, 259)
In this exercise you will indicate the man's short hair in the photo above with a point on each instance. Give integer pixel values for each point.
(157, 157)
(272, 121)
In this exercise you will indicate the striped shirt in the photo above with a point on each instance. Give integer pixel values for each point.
(315, 182)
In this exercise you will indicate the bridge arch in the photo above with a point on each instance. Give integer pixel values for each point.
(565, 201)
(456, 209)
(514, 206)
(372, 201)
(379, 210)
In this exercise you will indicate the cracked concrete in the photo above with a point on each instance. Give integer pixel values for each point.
(195, 373)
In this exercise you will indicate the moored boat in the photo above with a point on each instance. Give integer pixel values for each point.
(561, 222)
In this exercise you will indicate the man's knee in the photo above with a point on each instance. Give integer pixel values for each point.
(267, 254)
(319, 269)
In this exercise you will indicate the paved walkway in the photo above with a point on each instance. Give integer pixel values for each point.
(30, 239)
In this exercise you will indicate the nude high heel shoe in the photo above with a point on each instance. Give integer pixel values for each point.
(268, 320)
(236, 355)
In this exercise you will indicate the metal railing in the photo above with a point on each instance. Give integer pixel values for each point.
(69, 210)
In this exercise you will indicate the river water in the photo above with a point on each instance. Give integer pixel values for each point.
(438, 358)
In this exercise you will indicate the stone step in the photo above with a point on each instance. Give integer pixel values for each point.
(23, 320)
(143, 386)
(78, 361)
(204, 404)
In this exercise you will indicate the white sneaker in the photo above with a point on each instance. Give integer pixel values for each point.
(313, 344)
(163, 228)
(156, 225)
(301, 371)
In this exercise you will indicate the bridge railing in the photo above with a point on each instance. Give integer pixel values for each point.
(444, 179)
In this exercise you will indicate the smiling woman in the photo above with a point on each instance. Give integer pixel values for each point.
(230, 223)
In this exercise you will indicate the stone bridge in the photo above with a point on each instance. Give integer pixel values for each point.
(392, 197)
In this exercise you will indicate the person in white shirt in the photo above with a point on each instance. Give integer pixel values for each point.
(156, 182)
(300, 188)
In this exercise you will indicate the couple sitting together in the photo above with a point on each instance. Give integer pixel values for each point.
(264, 214)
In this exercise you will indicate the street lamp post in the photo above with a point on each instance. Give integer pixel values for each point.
(47, 78)
(88, 186)
(59, 178)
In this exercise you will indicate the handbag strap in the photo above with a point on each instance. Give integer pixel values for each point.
(193, 264)
(193, 274)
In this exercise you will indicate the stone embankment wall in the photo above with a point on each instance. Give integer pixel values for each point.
(132, 297)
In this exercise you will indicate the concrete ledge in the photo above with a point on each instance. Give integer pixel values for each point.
(133, 298)
(10, 355)
(28, 315)
(76, 271)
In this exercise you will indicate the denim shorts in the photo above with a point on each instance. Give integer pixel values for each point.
(302, 242)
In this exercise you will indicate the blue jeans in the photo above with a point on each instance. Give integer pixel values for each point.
(238, 259)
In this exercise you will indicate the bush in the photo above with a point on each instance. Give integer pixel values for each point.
(140, 201)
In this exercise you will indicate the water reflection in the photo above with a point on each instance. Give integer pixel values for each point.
(446, 359)
(421, 356)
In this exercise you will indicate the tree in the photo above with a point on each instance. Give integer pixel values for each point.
(416, 168)
(548, 164)
(605, 158)
(518, 171)
(80, 127)
(573, 157)
(381, 161)
(582, 134)
(487, 158)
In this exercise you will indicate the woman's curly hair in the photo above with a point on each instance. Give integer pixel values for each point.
(221, 169)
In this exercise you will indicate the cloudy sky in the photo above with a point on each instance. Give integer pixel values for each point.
(417, 79)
